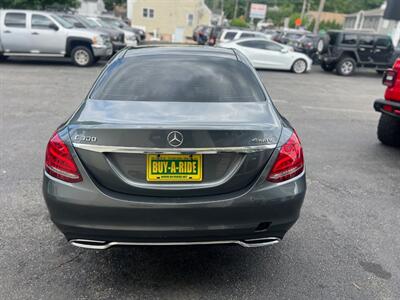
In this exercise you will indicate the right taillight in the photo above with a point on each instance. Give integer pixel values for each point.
(59, 162)
(290, 161)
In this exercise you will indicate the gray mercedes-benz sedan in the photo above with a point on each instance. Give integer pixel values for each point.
(175, 146)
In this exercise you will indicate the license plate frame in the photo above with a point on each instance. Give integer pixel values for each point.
(188, 168)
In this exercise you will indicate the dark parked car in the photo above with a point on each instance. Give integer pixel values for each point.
(306, 44)
(117, 37)
(285, 36)
(203, 157)
(389, 123)
(118, 23)
(347, 50)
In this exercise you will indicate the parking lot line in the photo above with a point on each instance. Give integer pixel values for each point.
(345, 110)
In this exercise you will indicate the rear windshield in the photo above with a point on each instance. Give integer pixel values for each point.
(179, 78)
(333, 37)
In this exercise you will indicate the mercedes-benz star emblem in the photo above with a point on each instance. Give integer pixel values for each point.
(175, 138)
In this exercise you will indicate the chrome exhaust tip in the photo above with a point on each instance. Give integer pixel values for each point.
(102, 245)
(260, 242)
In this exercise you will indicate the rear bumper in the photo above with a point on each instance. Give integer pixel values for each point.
(82, 211)
(328, 59)
(395, 106)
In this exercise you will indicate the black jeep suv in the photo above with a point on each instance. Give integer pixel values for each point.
(347, 50)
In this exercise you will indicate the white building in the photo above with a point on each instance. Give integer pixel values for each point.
(91, 7)
(373, 21)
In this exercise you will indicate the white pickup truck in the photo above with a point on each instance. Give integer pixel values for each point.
(38, 33)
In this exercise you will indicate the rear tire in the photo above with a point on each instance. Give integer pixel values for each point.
(346, 66)
(299, 66)
(82, 56)
(389, 131)
(327, 68)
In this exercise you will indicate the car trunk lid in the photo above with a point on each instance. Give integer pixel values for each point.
(235, 140)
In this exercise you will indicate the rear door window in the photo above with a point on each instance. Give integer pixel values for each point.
(17, 20)
(333, 38)
(366, 40)
(349, 39)
(175, 79)
(253, 44)
(230, 35)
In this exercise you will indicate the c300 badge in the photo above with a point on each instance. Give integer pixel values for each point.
(85, 138)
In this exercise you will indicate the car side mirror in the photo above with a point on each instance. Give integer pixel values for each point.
(121, 26)
(53, 26)
(284, 50)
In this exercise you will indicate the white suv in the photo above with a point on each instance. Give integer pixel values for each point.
(228, 35)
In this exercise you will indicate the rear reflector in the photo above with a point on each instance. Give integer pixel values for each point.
(59, 162)
(290, 161)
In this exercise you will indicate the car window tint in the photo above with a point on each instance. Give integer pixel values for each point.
(15, 20)
(247, 35)
(40, 22)
(349, 39)
(177, 78)
(252, 44)
(333, 38)
(272, 46)
(230, 35)
(366, 40)
(383, 42)
(74, 21)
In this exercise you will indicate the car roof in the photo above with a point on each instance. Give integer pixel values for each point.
(180, 50)
(253, 39)
(27, 11)
(241, 30)
(358, 32)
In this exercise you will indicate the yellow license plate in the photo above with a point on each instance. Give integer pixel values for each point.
(174, 167)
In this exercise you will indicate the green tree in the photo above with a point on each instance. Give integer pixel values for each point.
(38, 4)
(239, 22)
(109, 4)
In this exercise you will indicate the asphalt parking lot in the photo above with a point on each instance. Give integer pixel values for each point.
(345, 245)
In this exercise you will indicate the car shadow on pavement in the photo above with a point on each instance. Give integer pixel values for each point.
(179, 267)
(27, 61)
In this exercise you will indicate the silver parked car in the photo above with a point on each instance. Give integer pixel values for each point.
(131, 38)
(38, 33)
(117, 36)
(201, 157)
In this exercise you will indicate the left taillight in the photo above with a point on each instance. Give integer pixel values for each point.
(290, 161)
(59, 162)
(389, 78)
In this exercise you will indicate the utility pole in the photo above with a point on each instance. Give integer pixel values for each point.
(222, 13)
(246, 9)
(303, 9)
(318, 20)
(215, 4)
(236, 9)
